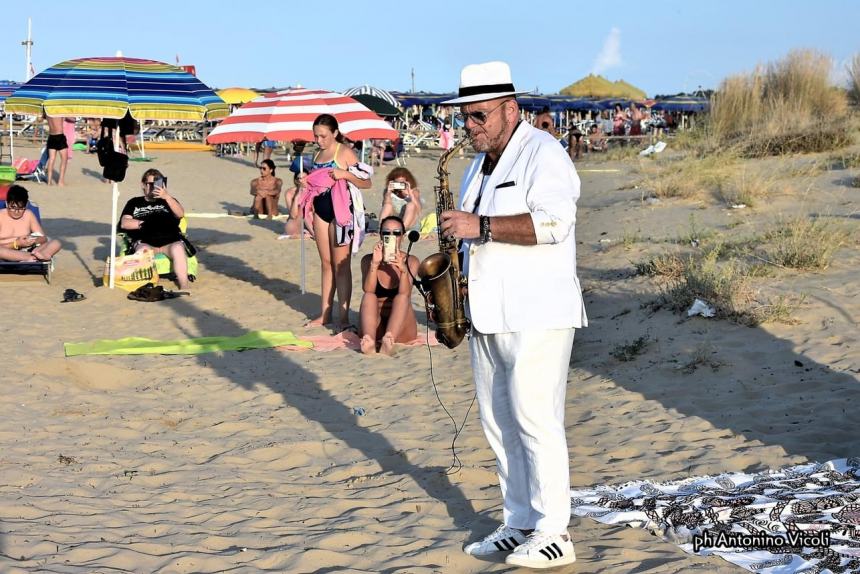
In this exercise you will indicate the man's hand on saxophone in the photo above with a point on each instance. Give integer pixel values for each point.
(460, 225)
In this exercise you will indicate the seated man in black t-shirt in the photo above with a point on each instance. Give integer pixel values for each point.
(152, 222)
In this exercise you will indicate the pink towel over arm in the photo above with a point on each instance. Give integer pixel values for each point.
(320, 181)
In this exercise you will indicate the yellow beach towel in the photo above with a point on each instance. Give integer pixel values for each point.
(142, 346)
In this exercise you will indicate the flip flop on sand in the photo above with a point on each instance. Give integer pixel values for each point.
(150, 292)
(71, 296)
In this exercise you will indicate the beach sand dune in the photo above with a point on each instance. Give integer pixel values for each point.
(256, 461)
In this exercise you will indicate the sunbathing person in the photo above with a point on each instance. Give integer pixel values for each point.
(21, 235)
(401, 197)
(386, 313)
(152, 222)
(266, 190)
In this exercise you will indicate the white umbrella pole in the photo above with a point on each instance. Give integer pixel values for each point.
(114, 209)
(142, 150)
(302, 228)
(11, 141)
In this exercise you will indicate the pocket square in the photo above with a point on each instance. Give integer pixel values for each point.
(506, 184)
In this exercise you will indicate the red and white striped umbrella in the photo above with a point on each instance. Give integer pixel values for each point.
(288, 115)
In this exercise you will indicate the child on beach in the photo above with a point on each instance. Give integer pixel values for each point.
(21, 235)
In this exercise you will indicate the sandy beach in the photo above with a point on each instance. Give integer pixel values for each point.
(255, 461)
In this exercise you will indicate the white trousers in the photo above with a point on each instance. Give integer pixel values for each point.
(521, 379)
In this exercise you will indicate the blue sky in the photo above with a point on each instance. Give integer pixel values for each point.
(660, 46)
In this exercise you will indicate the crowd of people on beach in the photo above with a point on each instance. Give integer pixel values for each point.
(326, 204)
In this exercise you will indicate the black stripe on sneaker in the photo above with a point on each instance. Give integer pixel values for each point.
(546, 553)
(500, 545)
(513, 542)
(557, 549)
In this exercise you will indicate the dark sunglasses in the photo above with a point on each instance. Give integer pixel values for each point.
(388, 233)
(479, 118)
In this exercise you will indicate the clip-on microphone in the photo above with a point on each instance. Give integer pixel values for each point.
(414, 236)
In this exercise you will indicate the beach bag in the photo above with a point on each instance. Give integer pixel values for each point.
(116, 167)
(132, 271)
(114, 163)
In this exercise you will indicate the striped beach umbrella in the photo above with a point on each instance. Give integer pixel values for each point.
(288, 115)
(367, 90)
(109, 87)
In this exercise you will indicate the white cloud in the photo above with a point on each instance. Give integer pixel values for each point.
(610, 54)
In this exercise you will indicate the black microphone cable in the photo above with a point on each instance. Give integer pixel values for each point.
(456, 464)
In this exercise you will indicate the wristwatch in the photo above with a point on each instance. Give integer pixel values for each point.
(486, 233)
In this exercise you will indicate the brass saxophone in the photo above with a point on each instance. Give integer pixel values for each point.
(440, 275)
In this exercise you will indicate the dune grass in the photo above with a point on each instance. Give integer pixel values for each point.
(729, 287)
(744, 187)
(728, 271)
(803, 243)
(788, 106)
(687, 176)
(854, 80)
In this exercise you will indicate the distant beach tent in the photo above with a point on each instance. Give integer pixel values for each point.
(409, 99)
(532, 103)
(683, 104)
(236, 96)
(109, 87)
(596, 86)
(288, 115)
(367, 90)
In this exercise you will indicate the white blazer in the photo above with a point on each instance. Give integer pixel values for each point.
(525, 287)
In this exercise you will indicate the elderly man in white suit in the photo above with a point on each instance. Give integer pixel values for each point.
(516, 219)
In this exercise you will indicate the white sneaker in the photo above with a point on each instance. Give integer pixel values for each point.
(504, 539)
(542, 550)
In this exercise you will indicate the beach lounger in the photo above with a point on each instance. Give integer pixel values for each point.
(44, 268)
(31, 169)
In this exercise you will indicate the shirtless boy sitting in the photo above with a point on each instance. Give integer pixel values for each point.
(21, 236)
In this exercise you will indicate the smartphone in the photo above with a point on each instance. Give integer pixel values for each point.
(389, 248)
(397, 186)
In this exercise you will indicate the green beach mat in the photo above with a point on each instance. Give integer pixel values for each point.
(142, 346)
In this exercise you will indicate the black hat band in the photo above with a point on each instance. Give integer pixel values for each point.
(486, 89)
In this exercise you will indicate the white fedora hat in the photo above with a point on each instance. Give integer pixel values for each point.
(487, 81)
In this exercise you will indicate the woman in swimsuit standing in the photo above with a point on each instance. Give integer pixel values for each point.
(386, 312)
(336, 274)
